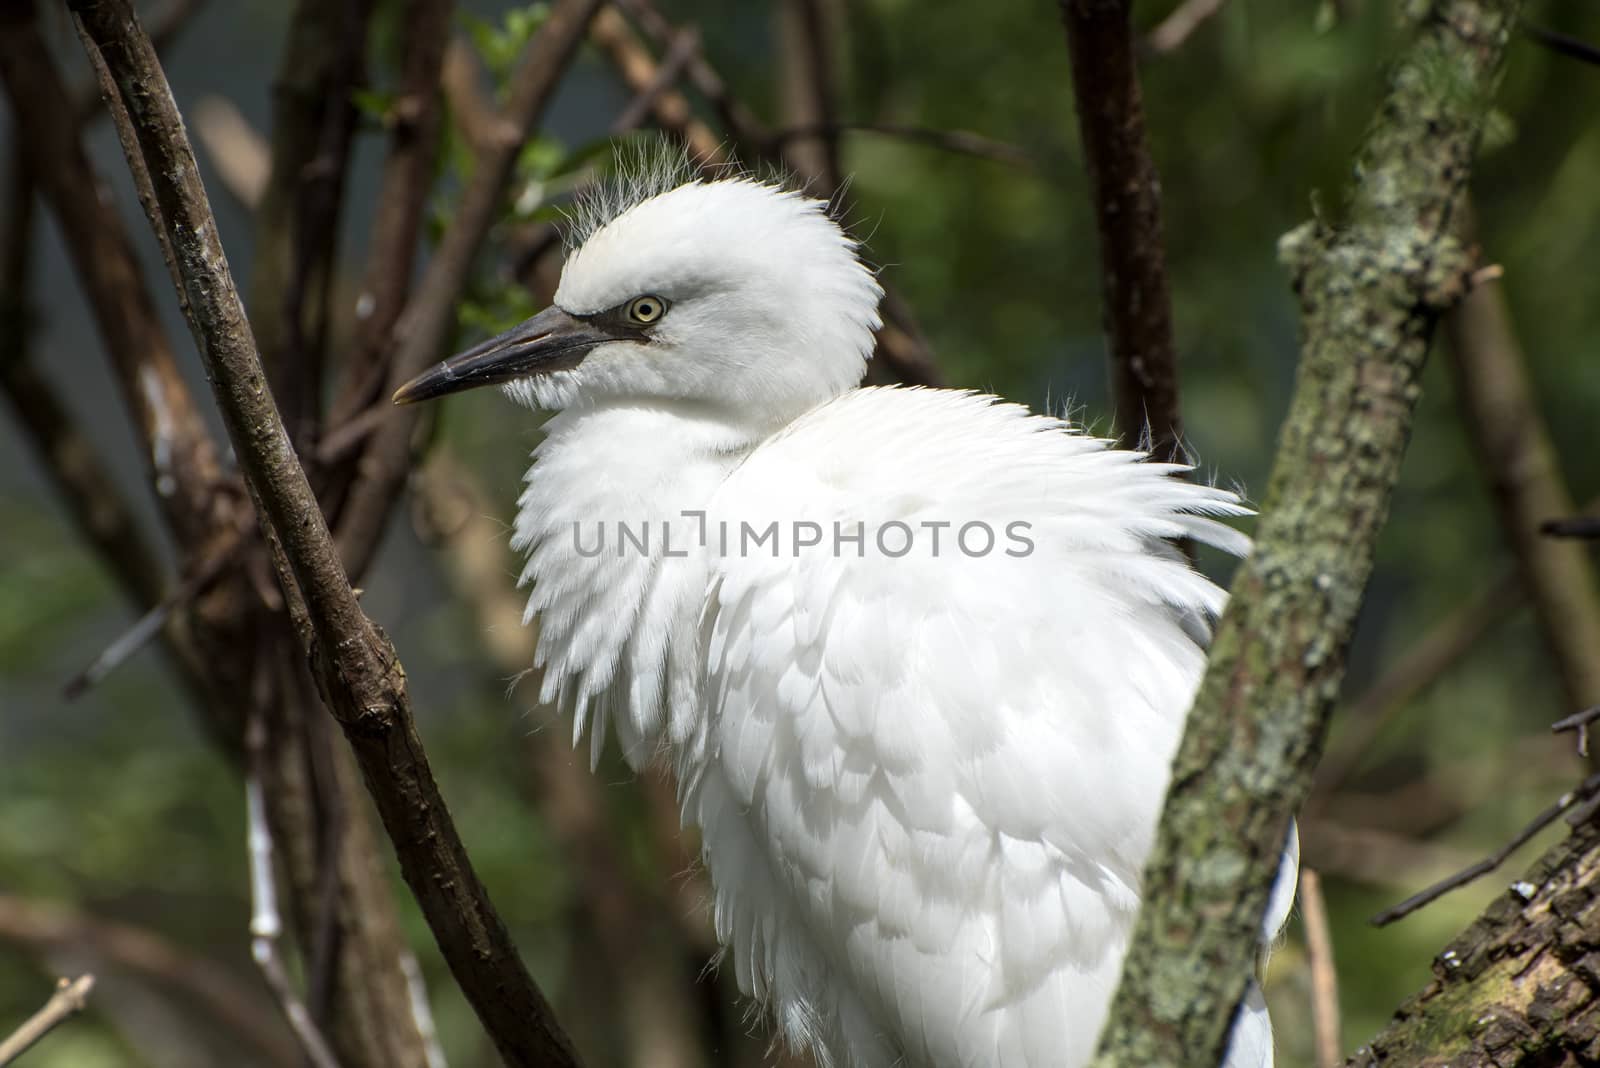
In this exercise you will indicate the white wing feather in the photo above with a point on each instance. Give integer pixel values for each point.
(927, 785)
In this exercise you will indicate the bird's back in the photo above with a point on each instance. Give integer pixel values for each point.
(939, 712)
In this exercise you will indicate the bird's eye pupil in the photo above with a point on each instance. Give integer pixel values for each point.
(646, 309)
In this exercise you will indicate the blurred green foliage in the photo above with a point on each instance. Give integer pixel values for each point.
(118, 803)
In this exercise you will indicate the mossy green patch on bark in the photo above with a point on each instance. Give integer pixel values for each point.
(1371, 288)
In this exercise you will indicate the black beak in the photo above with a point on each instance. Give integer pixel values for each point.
(553, 340)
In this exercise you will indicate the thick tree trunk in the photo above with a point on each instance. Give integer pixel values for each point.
(1520, 988)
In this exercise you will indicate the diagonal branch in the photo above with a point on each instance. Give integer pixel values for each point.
(354, 664)
(91, 493)
(297, 220)
(1371, 289)
(214, 989)
(178, 449)
(1517, 988)
(1136, 300)
(902, 352)
(69, 999)
(1521, 465)
(425, 328)
(414, 127)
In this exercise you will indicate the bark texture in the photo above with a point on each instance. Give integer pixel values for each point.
(1520, 988)
(1136, 299)
(1371, 287)
(356, 670)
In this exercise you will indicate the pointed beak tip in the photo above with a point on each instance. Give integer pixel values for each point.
(403, 395)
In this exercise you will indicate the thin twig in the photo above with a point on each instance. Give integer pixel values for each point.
(216, 990)
(1563, 804)
(684, 47)
(147, 626)
(807, 92)
(355, 666)
(1171, 32)
(960, 142)
(739, 121)
(241, 156)
(638, 70)
(1578, 721)
(472, 109)
(71, 997)
(1586, 527)
(266, 924)
(1563, 44)
(422, 1010)
(1324, 975)
(1427, 659)
(1136, 302)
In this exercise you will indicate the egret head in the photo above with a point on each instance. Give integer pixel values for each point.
(734, 294)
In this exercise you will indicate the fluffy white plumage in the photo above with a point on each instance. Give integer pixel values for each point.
(926, 783)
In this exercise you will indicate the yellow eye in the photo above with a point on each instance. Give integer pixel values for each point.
(646, 310)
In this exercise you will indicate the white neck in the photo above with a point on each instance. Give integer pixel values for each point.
(600, 469)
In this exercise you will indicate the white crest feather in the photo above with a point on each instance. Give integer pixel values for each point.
(642, 168)
(646, 167)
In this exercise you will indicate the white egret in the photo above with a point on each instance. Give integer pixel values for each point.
(919, 658)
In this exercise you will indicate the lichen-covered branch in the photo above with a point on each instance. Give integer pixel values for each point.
(356, 669)
(1519, 988)
(1135, 296)
(1371, 285)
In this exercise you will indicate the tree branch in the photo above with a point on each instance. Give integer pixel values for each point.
(425, 328)
(69, 999)
(1584, 792)
(957, 142)
(647, 975)
(355, 666)
(91, 493)
(1517, 989)
(1171, 33)
(902, 354)
(1523, 471)
(414, 126)
(1371, 288)
(1324, 973)
(638, 71)
(178, 450)
(214, 989)
(266, 924)
(1136, 302)
(297, 220)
